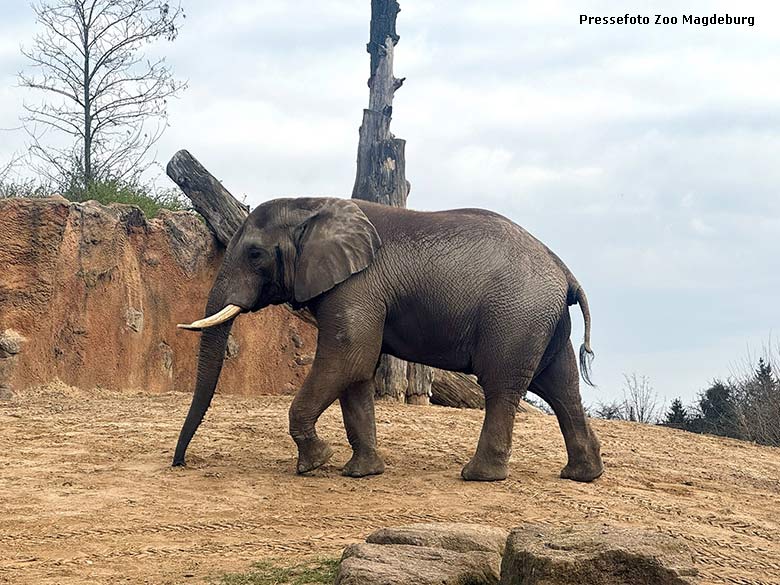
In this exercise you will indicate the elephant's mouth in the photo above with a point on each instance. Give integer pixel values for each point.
(226, 314)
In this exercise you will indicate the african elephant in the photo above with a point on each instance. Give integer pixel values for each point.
(465, 290)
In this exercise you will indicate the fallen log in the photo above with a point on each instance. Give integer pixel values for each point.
(456, 390)
(463, 391)
(222, 212)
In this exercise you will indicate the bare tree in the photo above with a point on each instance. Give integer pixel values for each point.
(6, 168)
(100, 93)
(639, 404)
(640, 401)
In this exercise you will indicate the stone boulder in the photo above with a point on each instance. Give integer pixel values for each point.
(10, 346)
(594, 555)
(426, 554)
(447, 535)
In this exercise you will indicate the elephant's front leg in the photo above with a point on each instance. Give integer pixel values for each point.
(348, 345)
(357, 408)
(319, 391)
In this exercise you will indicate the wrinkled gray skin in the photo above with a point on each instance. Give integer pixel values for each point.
(464, 290)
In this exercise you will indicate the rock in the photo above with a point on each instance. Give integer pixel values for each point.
(10, 343)
(232, 348)
(189, 239)
(10, 347)
(401, 564)
(448, 535)
(296, 339)
(594, 555)
(134, 319)
(304, 360)
(440, 554)
(166, 357)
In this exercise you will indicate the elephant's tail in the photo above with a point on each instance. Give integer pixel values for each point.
(577, 296)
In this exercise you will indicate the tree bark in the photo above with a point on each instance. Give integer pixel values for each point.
(222, 212)
(381, 177)
(420, 380)
(456, 390)
(463, 391)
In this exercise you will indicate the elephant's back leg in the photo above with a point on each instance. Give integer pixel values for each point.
(506, 359)
(515, 328)
(558, 385)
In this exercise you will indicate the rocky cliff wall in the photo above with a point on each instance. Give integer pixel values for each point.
(95, 292)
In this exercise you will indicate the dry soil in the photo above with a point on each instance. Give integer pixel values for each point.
(87, 494)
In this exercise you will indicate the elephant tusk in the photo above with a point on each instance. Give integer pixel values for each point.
(225, 314)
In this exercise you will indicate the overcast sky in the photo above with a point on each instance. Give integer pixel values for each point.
(647, 157)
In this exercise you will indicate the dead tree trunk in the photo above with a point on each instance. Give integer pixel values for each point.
(222, 212)
(381, 177)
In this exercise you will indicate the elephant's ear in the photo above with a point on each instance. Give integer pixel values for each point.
(337, 241)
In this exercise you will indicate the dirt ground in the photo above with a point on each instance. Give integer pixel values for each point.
(87, 494)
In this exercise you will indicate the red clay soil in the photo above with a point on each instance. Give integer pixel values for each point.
(87, 494)
(98, 290)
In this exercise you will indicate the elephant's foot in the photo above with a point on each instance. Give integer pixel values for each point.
(585, 470)
(312, 453)
(480, 470)
(364, 463)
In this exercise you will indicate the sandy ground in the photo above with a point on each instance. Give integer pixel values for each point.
(87, 494)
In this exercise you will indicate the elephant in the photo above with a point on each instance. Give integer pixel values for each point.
(465, 290)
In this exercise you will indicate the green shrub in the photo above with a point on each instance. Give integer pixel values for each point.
(150, 201)
(28, 188)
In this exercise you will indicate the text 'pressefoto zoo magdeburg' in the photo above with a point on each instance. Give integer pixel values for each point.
(714, 19)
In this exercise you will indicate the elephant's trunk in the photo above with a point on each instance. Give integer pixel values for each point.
(213, 342)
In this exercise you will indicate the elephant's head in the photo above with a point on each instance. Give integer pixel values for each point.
(287, 250)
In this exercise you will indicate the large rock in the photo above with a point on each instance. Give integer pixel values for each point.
(402, 564)
(435, 554)
(10, 346)
(97, 291)
(10, 343)
(594, 555)
(448, 535)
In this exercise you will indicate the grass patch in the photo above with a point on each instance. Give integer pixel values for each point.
(313, 572)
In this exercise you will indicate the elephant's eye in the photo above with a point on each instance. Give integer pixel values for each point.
(256, 254)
